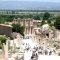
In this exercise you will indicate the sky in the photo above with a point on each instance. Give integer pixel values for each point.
(34, 0)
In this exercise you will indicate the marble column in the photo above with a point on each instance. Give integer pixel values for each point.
(6, 50)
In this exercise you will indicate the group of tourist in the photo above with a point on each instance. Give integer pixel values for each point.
(36, 52)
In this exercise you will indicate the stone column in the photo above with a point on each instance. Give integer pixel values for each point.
(49, 36)
(30, 30)
(26, 30)
(6, 50)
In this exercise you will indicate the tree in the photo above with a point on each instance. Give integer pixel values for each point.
(49, 22)
(3, 39)
(9, 18)
(43, 22)
(46, 16)
(22, 30)
(57, 23)
(30, 16)
(18, 28)
(6, 18)
(36, 17)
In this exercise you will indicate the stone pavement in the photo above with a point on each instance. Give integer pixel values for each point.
(2, 56)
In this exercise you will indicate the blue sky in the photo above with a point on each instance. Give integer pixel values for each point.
(34, 0)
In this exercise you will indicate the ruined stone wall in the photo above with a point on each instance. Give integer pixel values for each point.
(5, 30)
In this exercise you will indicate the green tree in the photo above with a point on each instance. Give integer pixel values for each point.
(18, 28)
(46, 16)
(22, 28)
(9, 18)
(3, 39)
(49, 21)
(30, 16)
(57, 23)
(36, 17)
(43, 22)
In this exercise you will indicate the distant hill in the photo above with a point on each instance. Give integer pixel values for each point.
(25, 5)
